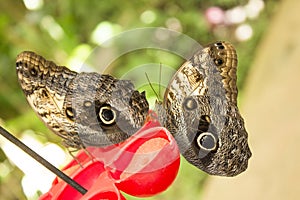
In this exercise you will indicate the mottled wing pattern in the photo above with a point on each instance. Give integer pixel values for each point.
(85, 109)
(45, 86)
(200, 110)
(106, 110)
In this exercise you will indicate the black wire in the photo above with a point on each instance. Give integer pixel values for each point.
(42, 161)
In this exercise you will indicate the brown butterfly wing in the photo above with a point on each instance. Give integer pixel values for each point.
(82, 108)
(200, 110)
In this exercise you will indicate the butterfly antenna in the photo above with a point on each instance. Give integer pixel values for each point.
(159, 80)
(151, 86)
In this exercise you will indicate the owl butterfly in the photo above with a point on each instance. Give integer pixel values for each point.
(200, 110)
(85, 109)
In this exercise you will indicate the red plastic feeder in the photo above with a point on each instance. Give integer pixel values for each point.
(143, 165)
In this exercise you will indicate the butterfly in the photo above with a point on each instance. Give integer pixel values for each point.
(199, 107)
(200, 110)
(85, 109)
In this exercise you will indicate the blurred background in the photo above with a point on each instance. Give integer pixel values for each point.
(265, 34)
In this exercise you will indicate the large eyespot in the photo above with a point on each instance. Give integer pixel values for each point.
(219, 61)
(207, 141)
(70, 113)
(190, 103)
(107, 115)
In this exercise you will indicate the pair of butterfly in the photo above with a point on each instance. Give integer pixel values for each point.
(199, 107)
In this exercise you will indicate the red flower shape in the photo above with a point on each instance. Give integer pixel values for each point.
(143, 165)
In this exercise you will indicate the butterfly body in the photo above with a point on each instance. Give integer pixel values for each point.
(200, 110)
(85, 109)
